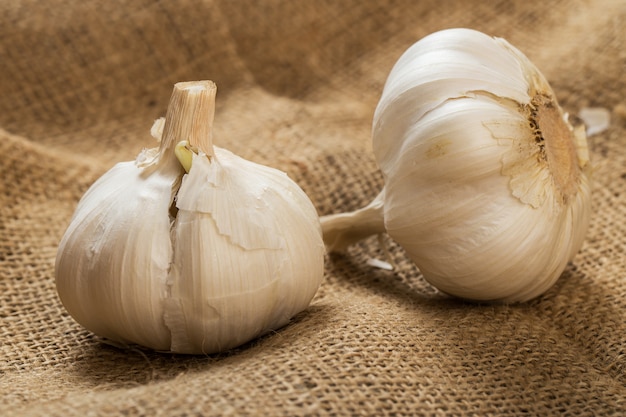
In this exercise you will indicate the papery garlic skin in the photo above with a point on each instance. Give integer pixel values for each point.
(262, 243)
(190, 263)
(113, 260)
(487, 186)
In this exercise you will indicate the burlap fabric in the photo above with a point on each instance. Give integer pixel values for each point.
(81, 83)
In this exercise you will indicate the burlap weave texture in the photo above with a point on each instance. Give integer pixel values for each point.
(81, 83)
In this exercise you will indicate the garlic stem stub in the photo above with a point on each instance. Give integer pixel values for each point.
(189, 248)
(487, 184)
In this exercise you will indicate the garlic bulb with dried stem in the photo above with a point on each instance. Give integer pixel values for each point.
(487, 185)
(195, 262)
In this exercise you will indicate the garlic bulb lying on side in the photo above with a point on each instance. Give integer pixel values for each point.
(190, 263)
(487, 185)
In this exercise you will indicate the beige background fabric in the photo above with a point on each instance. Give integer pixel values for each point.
(81, 83)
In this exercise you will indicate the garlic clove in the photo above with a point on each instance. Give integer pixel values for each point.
(103, 270)
(276, 245)
(184, 153)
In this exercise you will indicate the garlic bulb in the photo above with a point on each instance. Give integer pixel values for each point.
(195, 262)
(487, 185)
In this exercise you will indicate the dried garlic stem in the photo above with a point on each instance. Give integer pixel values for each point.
(190, 116)
(344, 229)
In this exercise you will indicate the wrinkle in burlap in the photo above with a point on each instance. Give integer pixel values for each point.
(81, 83)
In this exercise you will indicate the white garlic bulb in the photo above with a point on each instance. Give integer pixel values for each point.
(487, 185)
(195, 262)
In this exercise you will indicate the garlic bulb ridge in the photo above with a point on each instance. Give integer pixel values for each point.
(487, 185)
(190, 248)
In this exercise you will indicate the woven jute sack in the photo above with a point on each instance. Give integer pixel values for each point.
(81, 83)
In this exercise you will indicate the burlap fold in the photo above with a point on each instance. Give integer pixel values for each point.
(81, 83)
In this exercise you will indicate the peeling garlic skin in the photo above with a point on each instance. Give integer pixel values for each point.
(196, 262)
(484, 186)
(263, 247)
